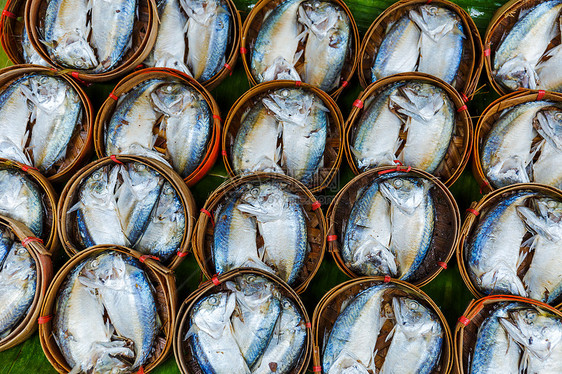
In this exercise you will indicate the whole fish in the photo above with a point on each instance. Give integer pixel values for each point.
(506, 150)
(495, 351)
(15, 113)
(57, 113)
(21, 199)
(376, 140)
(430, 124)
(441, 41)
(256, 147)
(188, 123)
(547, 70)
(493, 249)
(412, 218)
(165, 230)
(327, 42)
(211, 335)
(282, 225)
(366, 245)
(547, 169)
(277, 40)
(539, 334)
(18, 283)
(208, 33)
(66, 34)
(417, 339)
(286, 344)
(112, 29)
(517, 55)
(399, 50)
(356, 329)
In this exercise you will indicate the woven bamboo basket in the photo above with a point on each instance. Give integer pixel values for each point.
(184, 356)
(204, 231)
(333, 153)
(490, 116)
(166, 303)
(458, 153)
(50, 198)
(471, 60)
(42, 257)
(252, 26)
(445, 233)
(67, 222)
(80, 146)
(330, 306)
(142, 40)
(134, 79)
(479, 209)
(11, 27)
(466, 330)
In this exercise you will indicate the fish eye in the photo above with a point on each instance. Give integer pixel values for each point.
(413, 305)
(433, 10)
(140, 167)
(558, 116)
(398, 183)
(21, 251)
(94, 264)
(530, 316)
(213, 300)
(251, 278)
(97, 175)
(168, 190)
(551, 204)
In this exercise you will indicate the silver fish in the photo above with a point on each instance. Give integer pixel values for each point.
(15, 113)
(399, 50)
(548, 70)
(547, 169)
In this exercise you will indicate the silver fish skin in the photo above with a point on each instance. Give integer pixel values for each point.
(430, 124)
(442, 32)
(15, 113)
(286, 344)
(417, 339)
(164, 232)
(495, 351)
(366, 245)
(356, 329)
(255, 146)
(30, 55)
(11, 151)
(66, 34)
(327, 42)
(376, 139)
(188, 121)
(506, 150)
(282, 225)
(21, 199)
(258, 309)
(547, 71)
(539, 333)
(127, 295)
(169, 47)
(208, 33)
(112, 28)
(493, 249)
(517, 55)
(58, 111)
(212, 338)
(412, 217)
(399, 50)
(18, 283)
(97, 214)
(277, 40)
(547, 169)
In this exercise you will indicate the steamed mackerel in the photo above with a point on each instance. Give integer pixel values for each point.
(15, 113)
(548, 71)
(547, 169)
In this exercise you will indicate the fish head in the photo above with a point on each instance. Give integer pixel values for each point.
(290, 105)
(419, 100)
(414, 319)
(318, 16)
(551, 209)
(268, 202)
(99, 184)
(105, 270)
(406, 193)
(253, 291)
(76, 52)
(548, 124)
(536, 330)
(172, 98)
(201, 11)
(545, 220)
(434, 21)
(280, 68)
(47, 93)
(517, 73)
(212, 314)
(378, 257)
(18, 264)
(141, 178)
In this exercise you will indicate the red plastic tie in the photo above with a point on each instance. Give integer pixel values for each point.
(462, 108)
(358, 104)
(224, 153)
(217, 117)
(29, 239)
(140, 66)
(332, 238)
(143, 258)
(464, 97)
(5, 13)
(386, 279)
(428, 1)
(487, 52)
(541, 94)
(75, 75)
(316, 205)
(317, 369)
(298, 83)
(182, 254)
(215, 280)
(112, 96)
(27, 167)
(228, 67)
(473, 211)
(243, 50)
(442, 264)
(397, 168)
(308, 325)
(344, 84)
(208, 214)
(465, 321)
(141, 370)
(485, 184)
(114, 159)
(44, 319)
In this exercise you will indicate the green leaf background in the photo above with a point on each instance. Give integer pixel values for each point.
(447, 290)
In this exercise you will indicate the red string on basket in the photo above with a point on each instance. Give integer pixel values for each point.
(217, 117)
(442, 264)
(487, 52)
(464, 97)
(485, 184)
(223, 152)
(316, 205)
(332, 238)
(317, 369)
(141, 370)
(298, 83)
(243, 50)
(113, 96)
(8, 14)
(114, 159)
(27, 167)
(465, 321)
(229, 68)
(44, 319)
(208, 214)
(386, 278)
(182, 254)
(397, 168)
(344, 84)
(541, 94)
(143, 258)
(358, 104)
(473, 211)
(462, 108)
(308, 325)
(29, 239)
(215, 280)
(75, 75)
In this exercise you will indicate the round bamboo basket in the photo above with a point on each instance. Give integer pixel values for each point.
(252, 26)
(333, 152)
(42, 257)
(488, 119)
(134, 79)
(466, 330)
(331, 305)
(80, 146)
(184, 356)
(458, 153)
(471, 60)
(204, 231)
(479, 209)
(445, 232)
(11, 27)
(50, 198)
(69, 197)
(142, 40)
(164, 284)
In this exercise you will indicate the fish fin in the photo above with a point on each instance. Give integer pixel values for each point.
(390, 334)
(75, 207)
